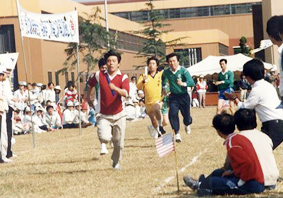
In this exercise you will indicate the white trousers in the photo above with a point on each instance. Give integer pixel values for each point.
(4, 137)
(112, 128)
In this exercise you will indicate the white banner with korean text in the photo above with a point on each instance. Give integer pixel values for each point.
(56, 27)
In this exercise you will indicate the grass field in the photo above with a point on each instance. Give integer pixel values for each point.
(65, 164)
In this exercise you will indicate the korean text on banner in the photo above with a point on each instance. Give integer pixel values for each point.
(56, 27)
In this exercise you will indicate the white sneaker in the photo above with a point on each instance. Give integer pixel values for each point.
(103, 149)
(152, 131)
(117, 167)
(178, 137)
(6, 160)
(188, 129)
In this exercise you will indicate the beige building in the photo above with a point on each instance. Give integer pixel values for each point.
(212, 27)
(271, 8)
(209, 27)
(45, 58)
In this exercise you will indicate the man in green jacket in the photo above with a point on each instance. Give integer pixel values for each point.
(179, 79)
(225, 83)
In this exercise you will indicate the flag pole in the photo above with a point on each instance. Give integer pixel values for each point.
(79, 86)
(106, 22)
(26, 74)
(176, 164)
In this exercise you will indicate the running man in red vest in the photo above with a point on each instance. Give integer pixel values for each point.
(111, 120)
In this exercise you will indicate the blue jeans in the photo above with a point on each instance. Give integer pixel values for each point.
(215, 184)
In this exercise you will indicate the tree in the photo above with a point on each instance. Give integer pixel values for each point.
(244, 48)
(93, 41)
(153, 31)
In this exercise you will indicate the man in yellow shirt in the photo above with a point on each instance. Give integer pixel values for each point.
(151, 84)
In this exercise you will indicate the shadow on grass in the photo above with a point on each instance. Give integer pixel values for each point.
(176, 194)
(141, 146)
(64, 162)
(182, 194)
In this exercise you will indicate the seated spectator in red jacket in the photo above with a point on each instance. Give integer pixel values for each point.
(249, 153)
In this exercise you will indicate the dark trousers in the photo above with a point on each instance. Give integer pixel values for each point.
(9, 131)
(43, 127)
(274, 129)
(70, 126)
(179, 102)
(215, 184)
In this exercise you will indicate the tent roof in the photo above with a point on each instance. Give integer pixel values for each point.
(210, 64)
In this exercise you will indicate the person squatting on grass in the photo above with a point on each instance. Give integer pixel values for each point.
(111, 120)
(179, 79)
(264, 100)
(151, 84)
(250, 155)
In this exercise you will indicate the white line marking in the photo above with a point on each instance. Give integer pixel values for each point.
(169, 179)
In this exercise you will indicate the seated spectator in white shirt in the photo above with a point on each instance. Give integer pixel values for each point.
(130, 110)
(39, 121)
(69, 116)
(26, 121)
(84, 121)
(52, 118)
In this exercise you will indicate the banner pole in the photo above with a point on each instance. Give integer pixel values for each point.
(26, 74)
(176, 164)
(79, 84)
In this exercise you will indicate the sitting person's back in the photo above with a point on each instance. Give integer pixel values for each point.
(252, 167)
(246, 123)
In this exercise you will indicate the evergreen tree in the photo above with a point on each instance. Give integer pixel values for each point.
(244, 48)
(153, 31)
(93, 41)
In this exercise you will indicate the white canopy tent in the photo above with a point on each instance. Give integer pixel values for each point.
(210, 64)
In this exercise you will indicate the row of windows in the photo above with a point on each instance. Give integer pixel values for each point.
(191, 56)
(66, 74)
(176, 13)
(129, 42)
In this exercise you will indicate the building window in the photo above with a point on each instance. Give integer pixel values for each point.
(176, 13)
(57, 78)
(223, 49)
(49, 77)
(191, 56)
(73, 76)
(66, 77)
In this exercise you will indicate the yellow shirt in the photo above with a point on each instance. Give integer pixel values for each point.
(152, 87)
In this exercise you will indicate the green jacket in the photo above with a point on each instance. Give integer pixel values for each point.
(228, 78)
(172, 78)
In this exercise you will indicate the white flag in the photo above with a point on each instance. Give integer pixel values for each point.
(9, 60)
(263, 45)
(56, 27)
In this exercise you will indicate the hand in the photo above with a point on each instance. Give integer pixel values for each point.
(230, 96)
(217, 82)
(180, 82)
(16, 100)
(144, 79)
(112, 86)
(90, 103)
(227, 173)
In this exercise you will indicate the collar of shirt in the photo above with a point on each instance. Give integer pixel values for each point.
(178, 68)
(280, 48)
(228, 137)
(224, 71)
(257, 83)
(112, 77)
